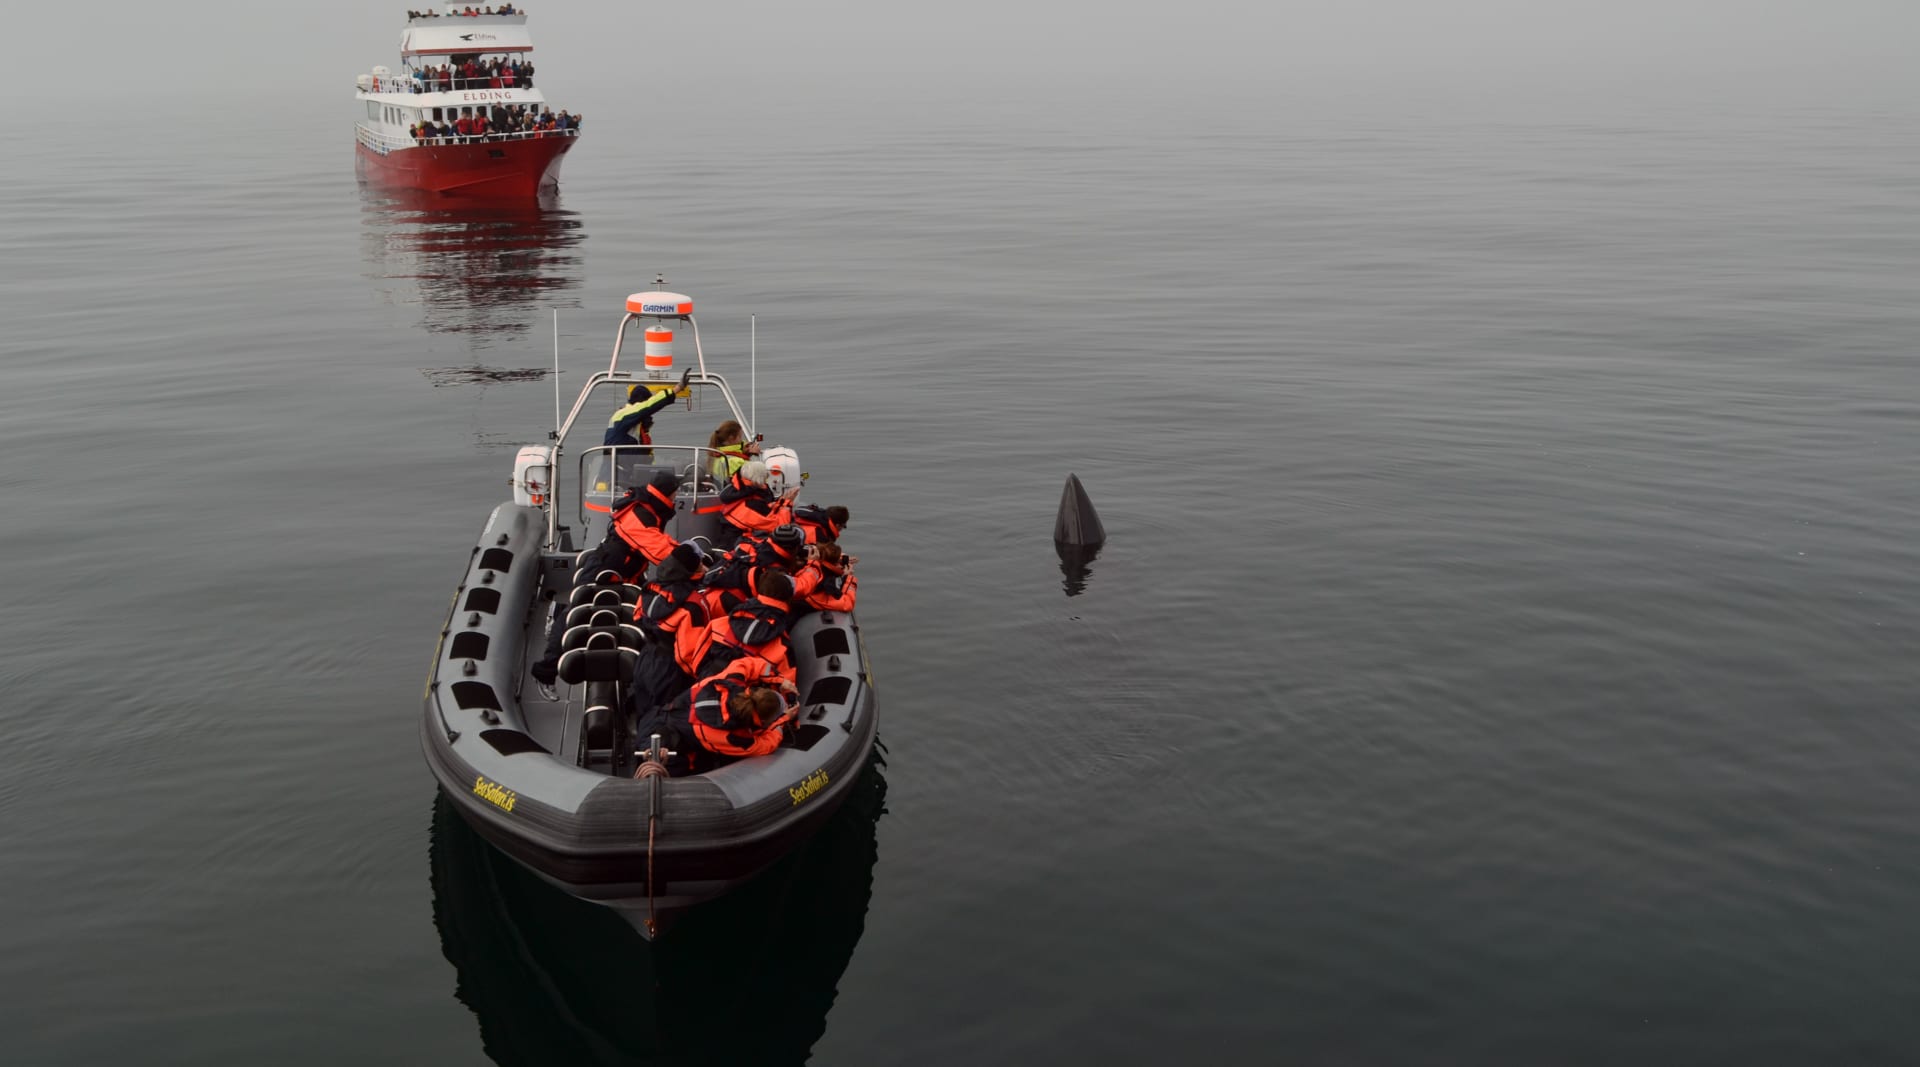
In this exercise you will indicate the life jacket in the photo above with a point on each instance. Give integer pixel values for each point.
(736, 579)
(756, 549)
(638, 518)
(661, 599)
(751, 507)
(756, 627)
(827, 588)
(688, 629)
(817, 523)
(716, 728)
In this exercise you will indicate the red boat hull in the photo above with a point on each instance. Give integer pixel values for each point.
(520, 167)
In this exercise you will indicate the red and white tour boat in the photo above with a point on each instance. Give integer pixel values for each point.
(456, 67)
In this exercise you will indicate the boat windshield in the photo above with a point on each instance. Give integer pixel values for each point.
(678, 443)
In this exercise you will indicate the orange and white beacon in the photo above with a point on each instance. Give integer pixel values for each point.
(659, 310)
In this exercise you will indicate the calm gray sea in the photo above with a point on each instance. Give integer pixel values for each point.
(1505, 651)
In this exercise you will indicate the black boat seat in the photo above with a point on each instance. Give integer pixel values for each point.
(694, 473)
(611, 596)
(625, 635)
(598, 664)
(587, 614)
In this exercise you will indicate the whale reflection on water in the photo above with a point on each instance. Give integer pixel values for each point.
(1076, 566)
(748, 978)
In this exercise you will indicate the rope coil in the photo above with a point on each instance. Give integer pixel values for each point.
(653, 769)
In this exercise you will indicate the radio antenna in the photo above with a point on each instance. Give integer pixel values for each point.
(556, 375)
(753, 371)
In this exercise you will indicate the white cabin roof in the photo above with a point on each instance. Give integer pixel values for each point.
(454, 35)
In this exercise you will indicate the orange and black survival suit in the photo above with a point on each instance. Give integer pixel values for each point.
(821, 524)
(639, 519)
(710, 725)
(749, 508)
(724, 720)
(756, 628)
(735, 576)
(827, 583)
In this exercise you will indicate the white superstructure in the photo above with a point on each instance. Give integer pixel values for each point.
(397, 100)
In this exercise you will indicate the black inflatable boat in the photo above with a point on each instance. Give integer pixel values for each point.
(547, 780)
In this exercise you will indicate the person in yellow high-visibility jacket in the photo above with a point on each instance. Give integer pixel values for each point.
(633, 423)
(730, 450)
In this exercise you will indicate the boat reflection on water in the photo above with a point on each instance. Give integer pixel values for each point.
(748, 978)
(485, 268)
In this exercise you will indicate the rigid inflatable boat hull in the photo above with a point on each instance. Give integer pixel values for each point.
(584, 830)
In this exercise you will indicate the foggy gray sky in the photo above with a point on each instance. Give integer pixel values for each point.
(616, 48)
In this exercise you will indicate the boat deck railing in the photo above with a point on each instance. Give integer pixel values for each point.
(518, 18)
(601, 486)
(386, 142)
(587, 489)
(406, 84)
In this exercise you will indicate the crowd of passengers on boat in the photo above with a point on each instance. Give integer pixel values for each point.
(482, 73)
(715, 678)
(469, 12)
(476, 124)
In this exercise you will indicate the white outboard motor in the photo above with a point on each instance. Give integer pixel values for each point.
(783, 469)
(533, 476)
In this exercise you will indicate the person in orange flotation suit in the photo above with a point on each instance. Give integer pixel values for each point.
(670, 586)
(734, 577)
(821, 524)
(638, 519)
(739, 711)
(748, 506)
(755, 627)
(828, 582)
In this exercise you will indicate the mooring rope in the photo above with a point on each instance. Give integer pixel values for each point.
(651, 768)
